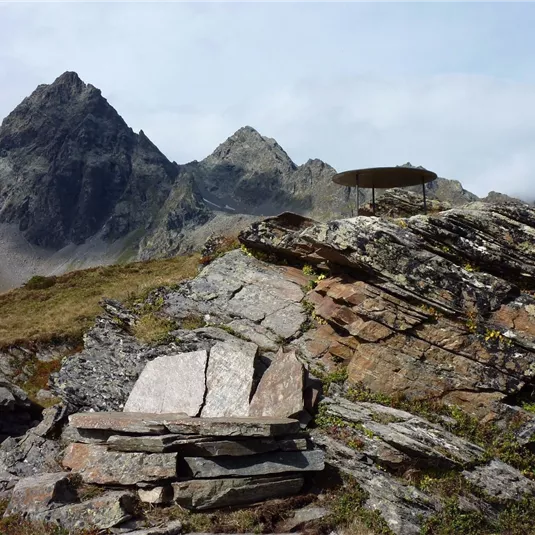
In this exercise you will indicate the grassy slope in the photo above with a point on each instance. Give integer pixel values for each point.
(68, 308)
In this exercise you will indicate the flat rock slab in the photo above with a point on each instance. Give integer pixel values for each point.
(151, 443)
(123, 422)
(98, 465)
(280, 391)
(501, 481)
(211, 493)
(173, 528)
(233, 427)
(259, 465)
(148, 424)
(104, 512)
(197, 446)
(409, 434)
(172, 383)
(40, 493)
(86, 436)
(229, 379)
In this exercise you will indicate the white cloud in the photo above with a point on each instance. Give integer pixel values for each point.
(449, 87)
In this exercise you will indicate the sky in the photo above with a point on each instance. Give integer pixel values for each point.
(450, 86)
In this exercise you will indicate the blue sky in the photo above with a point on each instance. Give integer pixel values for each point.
(450, 86)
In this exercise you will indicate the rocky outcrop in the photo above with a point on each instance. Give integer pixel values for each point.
(237, 297)
(370, 442)
(402, 203)
(424, 307)
(431, 314)
(53, 498)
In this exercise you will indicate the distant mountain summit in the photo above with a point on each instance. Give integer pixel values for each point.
(250, 173)
(71, 168)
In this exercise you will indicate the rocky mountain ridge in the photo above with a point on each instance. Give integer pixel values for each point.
(78, 187)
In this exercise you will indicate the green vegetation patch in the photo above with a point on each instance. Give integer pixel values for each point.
(516, 518)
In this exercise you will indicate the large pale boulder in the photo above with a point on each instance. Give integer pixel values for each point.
(229, 379)
(171, 383)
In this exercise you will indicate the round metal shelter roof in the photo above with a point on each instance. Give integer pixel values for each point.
(384, 177)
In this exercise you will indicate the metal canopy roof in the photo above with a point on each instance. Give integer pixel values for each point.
(384, 177)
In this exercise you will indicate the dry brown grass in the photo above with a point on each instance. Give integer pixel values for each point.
(16, 525)
(63, 311)
(261, 518)
(152, 328)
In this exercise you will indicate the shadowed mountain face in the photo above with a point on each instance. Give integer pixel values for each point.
(70, 168)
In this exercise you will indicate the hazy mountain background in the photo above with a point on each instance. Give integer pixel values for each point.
(78, 187)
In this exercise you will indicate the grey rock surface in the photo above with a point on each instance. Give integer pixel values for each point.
(212, 493)
(238, 287)
(259, 465)
(29, 455)
(402, 506)
(171, 383)
(102, 376)
(104, 512)
(501, 481)
(140, 423)
(7, 484)
(229, 379)
(416, 437)
(150, 443)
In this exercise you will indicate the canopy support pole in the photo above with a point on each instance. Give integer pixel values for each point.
(425, 199)
(358, 195)
(373, 199)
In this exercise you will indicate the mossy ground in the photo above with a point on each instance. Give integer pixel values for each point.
(67, 308)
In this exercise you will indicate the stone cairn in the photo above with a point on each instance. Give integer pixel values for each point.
(199, 463)
(192, 434)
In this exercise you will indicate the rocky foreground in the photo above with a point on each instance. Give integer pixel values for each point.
(420, 330)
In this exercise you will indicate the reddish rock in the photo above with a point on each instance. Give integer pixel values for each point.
(39, 493)
(280, 391)
(98, 465)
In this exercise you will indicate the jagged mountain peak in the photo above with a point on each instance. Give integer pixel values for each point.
(248, 148)
(316, 163)
(66, 87)
(71, 168)
(69, 78)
